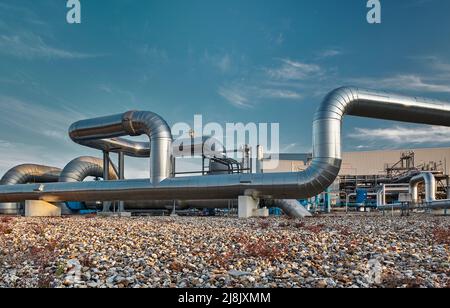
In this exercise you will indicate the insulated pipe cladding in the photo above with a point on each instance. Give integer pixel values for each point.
(23, 174)
(86, 166)
(430, 187)
(83, 167)
(321, 174)
(98, 133)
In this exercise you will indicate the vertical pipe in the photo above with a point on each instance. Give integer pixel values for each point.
(106, 177)
(259, 159)
(121, 159)
(105, 166)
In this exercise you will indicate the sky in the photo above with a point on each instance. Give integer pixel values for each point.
(230, 61)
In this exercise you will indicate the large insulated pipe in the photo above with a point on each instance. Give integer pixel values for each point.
(86, 166)
(23, 174)
(83, 167)
(99, 131)
(292, 208)
(30, 173)
(430, 187)
(321, 174)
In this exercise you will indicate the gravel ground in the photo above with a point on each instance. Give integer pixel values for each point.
(350, 251)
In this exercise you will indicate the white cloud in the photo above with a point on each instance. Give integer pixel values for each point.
(35, 118)
(248, 96)
(31, 46)
(329, 53)
(404, 82)
(404, 135)
(235, 96)
(294, 70)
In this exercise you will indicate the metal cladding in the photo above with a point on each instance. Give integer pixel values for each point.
(82, 167)
(292, 208)
(98, 132)
(30, 173)
(321, 174)
(24, 174)
(430, 187)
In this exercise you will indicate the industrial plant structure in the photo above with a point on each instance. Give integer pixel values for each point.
(226, 179)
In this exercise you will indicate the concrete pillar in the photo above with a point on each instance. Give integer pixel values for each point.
(34, 208)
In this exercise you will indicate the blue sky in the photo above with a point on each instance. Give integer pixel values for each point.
(231, 61)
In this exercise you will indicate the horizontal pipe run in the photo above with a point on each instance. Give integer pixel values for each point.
(320, 174)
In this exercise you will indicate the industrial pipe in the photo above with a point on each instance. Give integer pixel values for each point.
(321, 174)
(30, 173)
(292, 208)
(23, 174)
(82, 167)
(430, 187)
(132, 123)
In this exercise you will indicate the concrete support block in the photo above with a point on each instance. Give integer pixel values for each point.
(34, 208)
(248, 207)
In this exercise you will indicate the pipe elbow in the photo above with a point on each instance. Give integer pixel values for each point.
(30, 173)
(137, 123)
(82, 167)
(336, 103)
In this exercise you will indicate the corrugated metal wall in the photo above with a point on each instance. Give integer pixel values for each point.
(374, 163)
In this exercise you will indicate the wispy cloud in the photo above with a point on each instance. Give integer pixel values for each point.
(403, 135)
(37, 119)
(220, 61)
(29, 45)
(414, 83)
(235, 96)
(248, 96)
(439, 67)
(284, 82)
(154, 53)
(330, 53)
(294, 70)
(117, 92)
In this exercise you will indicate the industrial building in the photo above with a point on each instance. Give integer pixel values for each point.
(368, 170)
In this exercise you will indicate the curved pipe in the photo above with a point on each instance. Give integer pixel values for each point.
(98, 131)
(82, 167)
(23, 174)
(30, 173)
(430, 187)
(321, 174)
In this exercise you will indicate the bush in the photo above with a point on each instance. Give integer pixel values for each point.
(442, 236)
